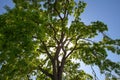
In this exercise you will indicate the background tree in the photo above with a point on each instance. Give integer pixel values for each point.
(37, 38)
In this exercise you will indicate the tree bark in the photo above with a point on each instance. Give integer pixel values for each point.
(55, 76)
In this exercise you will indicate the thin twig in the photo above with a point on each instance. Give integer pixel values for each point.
(94, 73)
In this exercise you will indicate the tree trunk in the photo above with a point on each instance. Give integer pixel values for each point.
(58, 70)
(55, 74)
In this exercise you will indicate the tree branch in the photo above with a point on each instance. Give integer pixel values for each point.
(41, 51)
(61, 67)
(73, 48)
(94, 73)
(45, 47)
(68, 42)
(45, 72)
(59, 45)
(65, 9)
(55, 33)
(57, 10)
(87, 40)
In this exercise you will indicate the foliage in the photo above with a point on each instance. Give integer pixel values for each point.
(36, 40)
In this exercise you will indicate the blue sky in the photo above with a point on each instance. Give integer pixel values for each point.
(107, 11)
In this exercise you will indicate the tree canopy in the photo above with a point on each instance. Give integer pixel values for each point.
(37, 38)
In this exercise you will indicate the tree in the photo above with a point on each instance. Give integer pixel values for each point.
(38, 39)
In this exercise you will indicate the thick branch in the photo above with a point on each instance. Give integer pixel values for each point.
(61, 67)
(73, 48)
(45, 47)
(59, 45)
(46, 72)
